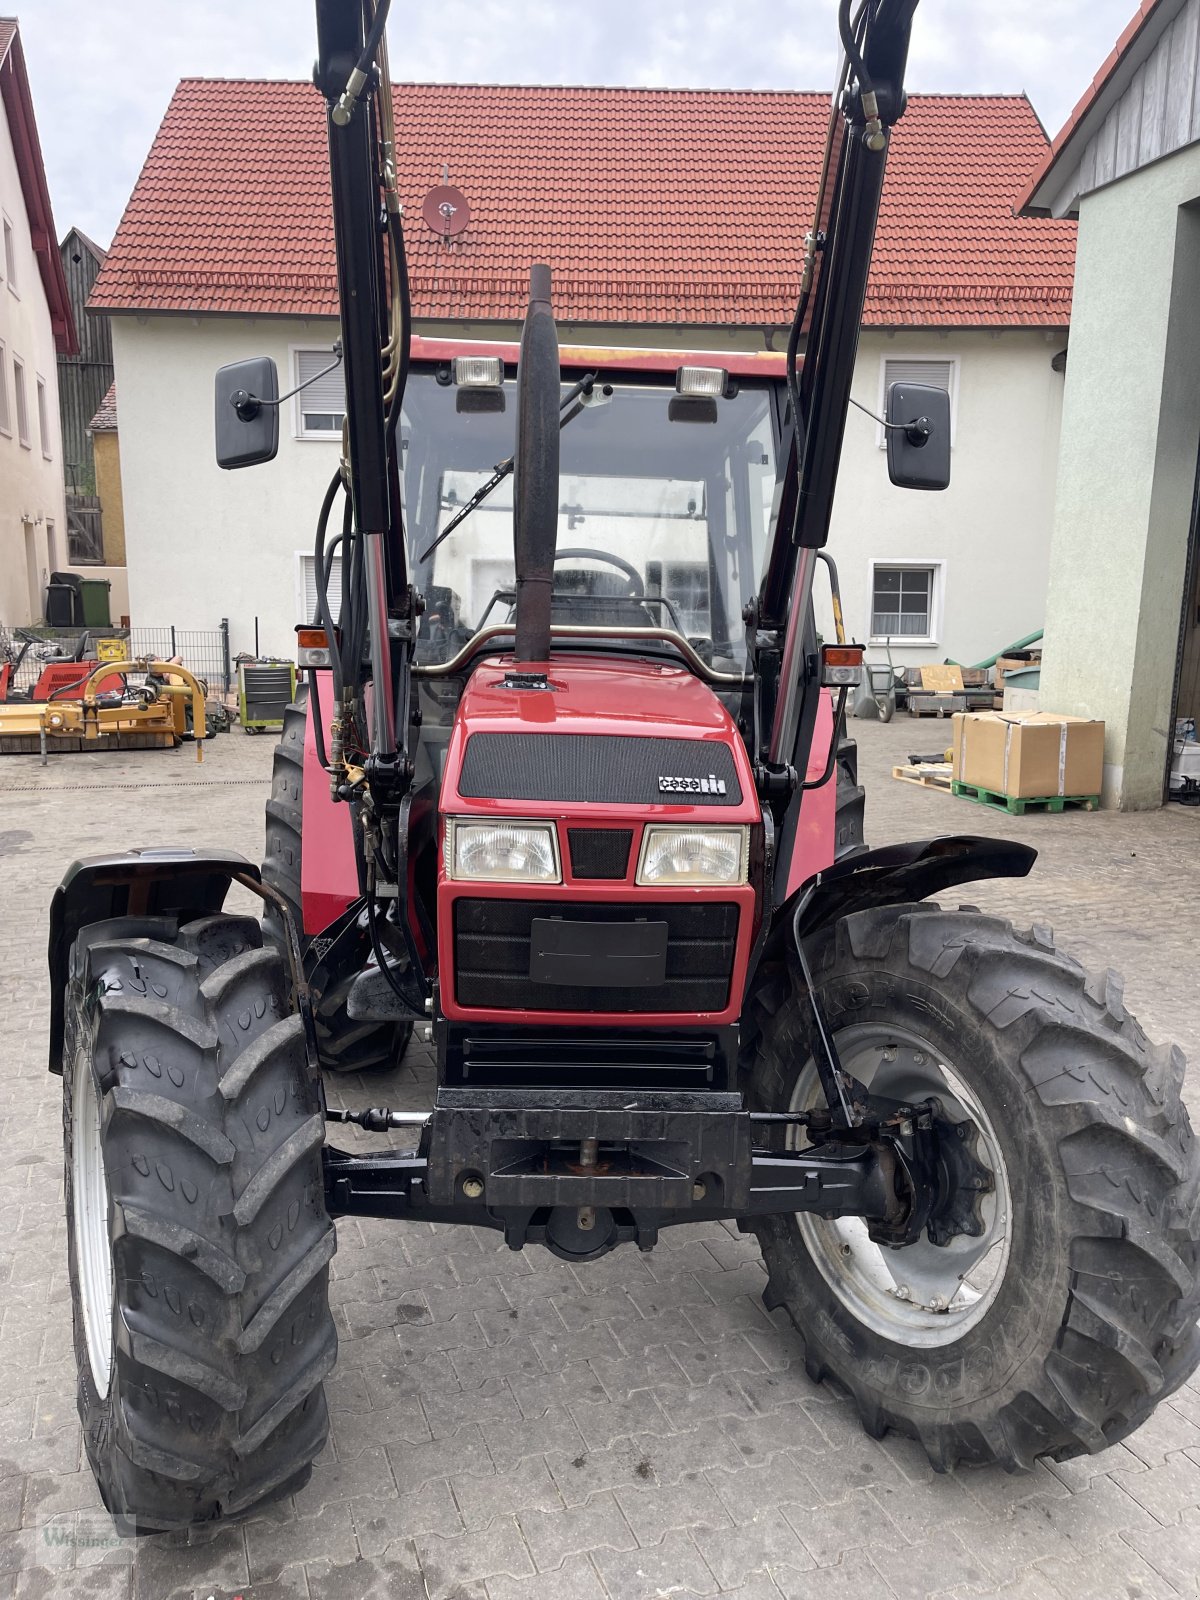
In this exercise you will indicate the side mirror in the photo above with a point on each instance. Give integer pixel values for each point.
(247, 413)
(918, 436)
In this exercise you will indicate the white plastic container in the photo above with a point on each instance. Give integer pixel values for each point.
(1186, 763)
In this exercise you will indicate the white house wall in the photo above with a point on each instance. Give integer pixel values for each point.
(204, 544)
(201, 543)
(33, 519)
(987, 536)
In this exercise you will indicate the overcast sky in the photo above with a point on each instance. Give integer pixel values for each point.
(102, 73)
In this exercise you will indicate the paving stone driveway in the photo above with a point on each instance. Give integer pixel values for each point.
(507, 1426)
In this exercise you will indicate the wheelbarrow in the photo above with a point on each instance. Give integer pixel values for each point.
(876, 697)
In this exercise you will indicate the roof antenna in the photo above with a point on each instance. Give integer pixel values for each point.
(445, 210)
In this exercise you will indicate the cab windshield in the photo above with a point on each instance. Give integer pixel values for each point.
(662, 517)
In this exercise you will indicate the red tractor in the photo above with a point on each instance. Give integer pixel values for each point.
(576, 799)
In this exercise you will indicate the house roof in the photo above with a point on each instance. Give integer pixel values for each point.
(105, 420)
(89, 244)
(1138, 37)
(22, 127)
(652, 206)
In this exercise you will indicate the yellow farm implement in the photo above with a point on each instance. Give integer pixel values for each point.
(151, 714)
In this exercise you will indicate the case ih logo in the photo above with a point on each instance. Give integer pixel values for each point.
(710, 785)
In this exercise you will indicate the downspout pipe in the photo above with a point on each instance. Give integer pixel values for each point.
(535, 474)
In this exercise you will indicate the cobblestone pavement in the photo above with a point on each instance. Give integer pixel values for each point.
(506, 1426)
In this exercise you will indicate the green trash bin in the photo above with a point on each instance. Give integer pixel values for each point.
(96, 613)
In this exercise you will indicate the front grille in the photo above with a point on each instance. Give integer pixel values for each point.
(614, 769)
(599, 852)
(492, 957)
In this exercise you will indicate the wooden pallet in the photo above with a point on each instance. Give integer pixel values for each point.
(1017, 807)
(926, 774)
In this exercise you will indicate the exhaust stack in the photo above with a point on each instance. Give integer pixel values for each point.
(535, 487)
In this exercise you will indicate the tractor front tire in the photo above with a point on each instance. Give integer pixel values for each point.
(1082, 1315)
(343, 1044)
(199, 1242)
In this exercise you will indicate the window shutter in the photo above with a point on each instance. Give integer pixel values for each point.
(308, 570)
(22, 403)
(5, 418)
(936, 374)
(324, 399)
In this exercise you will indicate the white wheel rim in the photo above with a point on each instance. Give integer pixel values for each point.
(923, 1295)
(93, 1250)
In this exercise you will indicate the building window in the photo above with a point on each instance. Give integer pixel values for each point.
(306, 588)
(43, 419)
(5, 418)
(321, 407)
(942, 374)
(10, 256)
(904, 602)
(22, 402)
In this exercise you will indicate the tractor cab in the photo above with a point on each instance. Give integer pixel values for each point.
(668, 469)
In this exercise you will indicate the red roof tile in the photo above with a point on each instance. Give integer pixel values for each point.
(105, 420)
(652, 206)
(27, 149)
(1087, 100)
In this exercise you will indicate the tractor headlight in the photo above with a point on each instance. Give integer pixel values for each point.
(695, 856)
(502, 852)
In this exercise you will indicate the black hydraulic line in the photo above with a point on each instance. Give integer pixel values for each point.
(343, 111)
(381, 954)
(834, 740)
(314, 710)
(324, 615)
(850, 43)
(331, 549)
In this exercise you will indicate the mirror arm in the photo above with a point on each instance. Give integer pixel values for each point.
(919, 428)
(248, 405)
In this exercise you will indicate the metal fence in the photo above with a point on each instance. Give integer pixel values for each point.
(204, 651)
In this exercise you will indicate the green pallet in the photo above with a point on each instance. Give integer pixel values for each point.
(1017, 807)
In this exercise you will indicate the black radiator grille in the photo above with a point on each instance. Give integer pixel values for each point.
(611, 768)
(599, 852)
(492, 943)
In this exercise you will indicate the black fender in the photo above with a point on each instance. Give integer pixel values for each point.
(895, 874)
(158, 881)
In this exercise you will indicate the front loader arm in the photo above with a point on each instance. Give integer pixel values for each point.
(838, 257)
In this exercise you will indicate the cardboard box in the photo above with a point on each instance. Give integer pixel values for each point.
(1028, 755)
(942, 678)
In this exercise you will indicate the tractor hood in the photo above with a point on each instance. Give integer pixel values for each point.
(604, 736)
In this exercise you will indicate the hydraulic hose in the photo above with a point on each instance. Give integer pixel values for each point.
(324, 615)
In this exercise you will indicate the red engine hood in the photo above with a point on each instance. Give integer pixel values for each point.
(596, 695)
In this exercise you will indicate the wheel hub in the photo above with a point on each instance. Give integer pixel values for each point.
(963, 1181)
(929, 1291)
